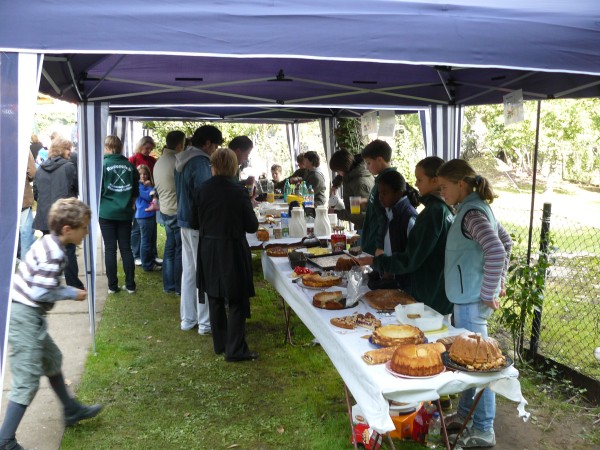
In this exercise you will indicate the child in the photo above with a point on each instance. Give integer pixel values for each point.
(423, 256)
(37, 286)
(399, 200)
(476, 260)
(377, 156)
(145, 216)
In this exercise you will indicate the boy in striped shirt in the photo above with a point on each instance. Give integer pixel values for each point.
(37, 286)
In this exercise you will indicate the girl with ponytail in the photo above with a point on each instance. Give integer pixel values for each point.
(476, 260)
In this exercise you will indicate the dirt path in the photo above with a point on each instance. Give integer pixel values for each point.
(541, 431)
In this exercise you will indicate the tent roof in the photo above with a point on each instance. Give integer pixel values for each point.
(293, 54)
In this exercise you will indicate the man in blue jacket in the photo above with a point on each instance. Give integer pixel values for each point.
(192, 168)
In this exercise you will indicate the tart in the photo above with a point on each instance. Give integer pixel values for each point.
(388, 299)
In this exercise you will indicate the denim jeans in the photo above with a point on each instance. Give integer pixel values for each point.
(172, 268)
(473, 317)
(118, 232)
(26, 231)
(147, 227)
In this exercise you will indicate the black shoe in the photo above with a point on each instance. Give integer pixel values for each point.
(11, 445)
(82, 412)
(245, 357)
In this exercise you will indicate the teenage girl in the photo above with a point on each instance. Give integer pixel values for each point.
(146, 219)
(423, 256)
(399, 201)
(477, 255)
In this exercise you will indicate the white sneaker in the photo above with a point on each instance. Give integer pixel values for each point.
(158, 261)
(129, 291)
(138, 262)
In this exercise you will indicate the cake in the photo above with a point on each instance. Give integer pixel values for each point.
(423, 360)
(277, 252)
(390, 335)
(368, 321)
(329, 300)
(387, 299)
(316, 280)
(447, 341)
(345, 263)
(476, 352)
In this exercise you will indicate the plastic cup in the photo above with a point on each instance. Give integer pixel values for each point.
(355, 205)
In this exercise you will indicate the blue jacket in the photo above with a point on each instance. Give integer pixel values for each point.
(192, 168)
(463, 270)
(143, 201)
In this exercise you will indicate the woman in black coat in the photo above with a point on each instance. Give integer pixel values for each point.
(223, 214)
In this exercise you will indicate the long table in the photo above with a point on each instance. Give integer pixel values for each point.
(371, 385)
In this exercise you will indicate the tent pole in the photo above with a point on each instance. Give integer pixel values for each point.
(533, 185)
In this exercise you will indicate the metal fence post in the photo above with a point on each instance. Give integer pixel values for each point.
(537, 314)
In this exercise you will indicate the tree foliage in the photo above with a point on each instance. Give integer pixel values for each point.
(568, 145)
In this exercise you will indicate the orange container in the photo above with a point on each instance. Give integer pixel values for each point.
(404, 425)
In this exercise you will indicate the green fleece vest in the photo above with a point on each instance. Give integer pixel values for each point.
(463, 270)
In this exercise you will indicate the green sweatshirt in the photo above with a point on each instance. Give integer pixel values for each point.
(120, 187)
(424, 255)
(375, 220)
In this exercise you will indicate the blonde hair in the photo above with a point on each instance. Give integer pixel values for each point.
(67, 211)
(59, 146)
(114, 144)
(148, 172)
(224, 162)
(459, 170)
(34, 138)
(143, 141)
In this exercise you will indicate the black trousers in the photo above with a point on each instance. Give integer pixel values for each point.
(72, 268)
(228, 329)
(118, 232)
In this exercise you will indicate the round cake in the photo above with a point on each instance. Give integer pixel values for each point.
(388, 299)
(423, 360)
(329, 300)
(390, 335)
(476, 353)
(316, 280)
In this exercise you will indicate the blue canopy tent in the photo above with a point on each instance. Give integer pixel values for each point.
(274, 59)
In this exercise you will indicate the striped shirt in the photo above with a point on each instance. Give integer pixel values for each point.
(496, 249)
(37, 283)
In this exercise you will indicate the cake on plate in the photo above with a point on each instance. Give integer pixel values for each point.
(390, 335)
(388, 299)
(476, 352)
(329, 300)
(319, 281)
(422, 360)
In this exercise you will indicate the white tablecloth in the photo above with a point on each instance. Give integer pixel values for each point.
(372, 386)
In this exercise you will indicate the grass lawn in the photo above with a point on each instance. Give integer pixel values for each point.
(165, 388)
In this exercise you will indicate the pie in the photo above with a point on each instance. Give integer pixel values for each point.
(368, 321)
(390, 335)
(387, 299)
(316, 280)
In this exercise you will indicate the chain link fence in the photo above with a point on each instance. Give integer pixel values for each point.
(570, 316)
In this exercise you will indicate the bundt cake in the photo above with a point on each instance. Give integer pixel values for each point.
(476, 353)
(422, 360)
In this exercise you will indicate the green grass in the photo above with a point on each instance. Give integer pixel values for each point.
(165, 388)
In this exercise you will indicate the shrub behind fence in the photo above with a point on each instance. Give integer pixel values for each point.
(570, 321)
